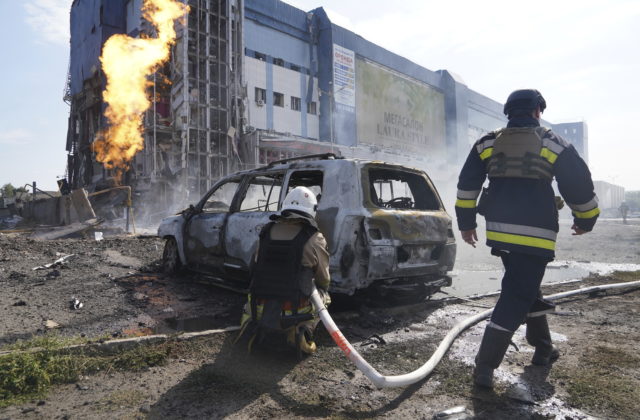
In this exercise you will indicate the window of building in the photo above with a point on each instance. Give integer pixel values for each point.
(278, 62)
(311, 108)
(295, 68)
(278, 99)
(295, 103)
(260, 56)
(261, 95)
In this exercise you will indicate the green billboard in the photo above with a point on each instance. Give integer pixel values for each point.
(397, 112)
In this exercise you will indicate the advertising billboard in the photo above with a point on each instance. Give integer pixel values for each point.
(395, 111)
(344, 78)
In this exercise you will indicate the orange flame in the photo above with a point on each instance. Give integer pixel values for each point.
(128, 62)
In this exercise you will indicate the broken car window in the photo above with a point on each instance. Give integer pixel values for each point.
(309, 179)
(263, 193)
(396, 189)
(220, 200)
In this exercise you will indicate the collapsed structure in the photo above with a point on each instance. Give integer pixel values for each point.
(253, 81)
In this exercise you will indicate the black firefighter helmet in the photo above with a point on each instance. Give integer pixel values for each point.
(524, 99)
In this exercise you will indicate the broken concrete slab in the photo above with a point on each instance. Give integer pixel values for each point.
(116, 258)
(64, 231)
(80, 201)
(56, 210)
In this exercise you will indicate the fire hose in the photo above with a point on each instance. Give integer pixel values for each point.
(382, 381)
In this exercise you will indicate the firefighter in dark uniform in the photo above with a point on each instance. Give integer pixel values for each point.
(521, 216)
(292, 257)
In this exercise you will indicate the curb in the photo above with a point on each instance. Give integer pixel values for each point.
(122, 344)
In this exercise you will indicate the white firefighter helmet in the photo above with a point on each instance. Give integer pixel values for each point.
(300, 199)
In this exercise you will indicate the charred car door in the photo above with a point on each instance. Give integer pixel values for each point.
(259, 199)
(203, 245)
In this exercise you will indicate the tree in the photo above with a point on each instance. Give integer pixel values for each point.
(8, 190)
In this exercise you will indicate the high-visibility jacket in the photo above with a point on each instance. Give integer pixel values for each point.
(521, 213)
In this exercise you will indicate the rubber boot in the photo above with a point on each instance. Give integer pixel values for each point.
(492, 349)
(538, 336)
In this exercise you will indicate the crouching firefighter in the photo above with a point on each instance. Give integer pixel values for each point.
(291, 257)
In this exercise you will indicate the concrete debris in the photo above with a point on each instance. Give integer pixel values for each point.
(374, 339)
(81, 204)
(50, 325)
(139, 296)
(457, 412)
(76, 304)
(57, 263)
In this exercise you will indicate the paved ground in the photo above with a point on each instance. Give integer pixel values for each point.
(124, 294)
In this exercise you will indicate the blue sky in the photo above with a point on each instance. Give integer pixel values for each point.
(35, 55)
(583, 56)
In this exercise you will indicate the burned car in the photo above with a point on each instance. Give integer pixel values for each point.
(388, 233)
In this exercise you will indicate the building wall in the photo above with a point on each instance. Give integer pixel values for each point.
(92, 22)
(256, 76)
(345, 130)
(265, 114)
(275, 43)
(278, 59)
(192, 130)
(134, 16)
(346, 122)
(575, 133)
(610, 196)
(484, 115)
(290, 51)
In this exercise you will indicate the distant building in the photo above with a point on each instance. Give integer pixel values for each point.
(255, 81)
(610, 196)
(575, 133)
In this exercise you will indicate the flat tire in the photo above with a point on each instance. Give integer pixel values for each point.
(170, 258)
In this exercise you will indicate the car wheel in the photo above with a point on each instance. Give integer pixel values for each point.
(170, 258)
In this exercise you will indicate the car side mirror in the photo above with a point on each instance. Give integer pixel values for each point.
(188, 211)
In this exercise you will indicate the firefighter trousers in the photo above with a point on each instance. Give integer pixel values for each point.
(520, 288)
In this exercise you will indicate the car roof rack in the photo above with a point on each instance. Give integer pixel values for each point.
(319, 156)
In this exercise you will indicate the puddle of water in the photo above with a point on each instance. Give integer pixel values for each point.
(467, 283)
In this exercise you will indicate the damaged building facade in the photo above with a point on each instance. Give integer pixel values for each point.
(190, 130)
(253, 81)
